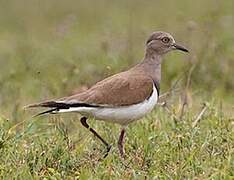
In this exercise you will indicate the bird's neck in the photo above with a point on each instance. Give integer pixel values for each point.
(151, 65)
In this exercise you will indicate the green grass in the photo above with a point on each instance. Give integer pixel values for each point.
(50, 48)
(156, 147)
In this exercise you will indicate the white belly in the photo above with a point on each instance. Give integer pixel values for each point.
(121, 115)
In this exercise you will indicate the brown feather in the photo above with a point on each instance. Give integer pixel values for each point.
(123, 89)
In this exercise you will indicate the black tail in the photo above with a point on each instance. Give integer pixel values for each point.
(50, 111)
(56, 106)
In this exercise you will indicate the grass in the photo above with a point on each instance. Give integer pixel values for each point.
(50, 48)
(157, 147)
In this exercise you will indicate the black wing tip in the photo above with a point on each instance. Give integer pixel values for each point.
(56, 106)
(48, 104)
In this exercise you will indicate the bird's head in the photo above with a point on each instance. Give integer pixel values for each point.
(162, 42)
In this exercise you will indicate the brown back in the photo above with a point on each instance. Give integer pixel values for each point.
(126, 88)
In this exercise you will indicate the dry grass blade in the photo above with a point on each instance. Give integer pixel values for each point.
(199, 116)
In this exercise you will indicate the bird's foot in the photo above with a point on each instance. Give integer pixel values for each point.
(108, 148)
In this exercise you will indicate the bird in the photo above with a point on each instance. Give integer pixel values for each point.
(122, 98)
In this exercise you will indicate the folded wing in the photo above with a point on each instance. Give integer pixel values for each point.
(123, 89)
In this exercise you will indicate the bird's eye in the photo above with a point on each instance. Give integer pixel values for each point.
(165, 40)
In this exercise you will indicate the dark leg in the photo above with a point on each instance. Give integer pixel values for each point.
(121, 142)
(84, 123)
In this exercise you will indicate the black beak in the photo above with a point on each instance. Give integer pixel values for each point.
(179, 47)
